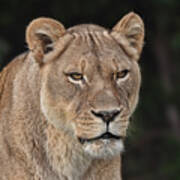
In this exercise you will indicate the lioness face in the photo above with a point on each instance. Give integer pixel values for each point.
(91, 90)
(90, 80)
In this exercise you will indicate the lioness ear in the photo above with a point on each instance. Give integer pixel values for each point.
(129, 32)
(42, 33)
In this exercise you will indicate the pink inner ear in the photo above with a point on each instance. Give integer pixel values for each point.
(46, 42)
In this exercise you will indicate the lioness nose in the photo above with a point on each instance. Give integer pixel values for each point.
(106, 116)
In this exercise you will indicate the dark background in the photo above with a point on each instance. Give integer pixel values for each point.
(153, 144)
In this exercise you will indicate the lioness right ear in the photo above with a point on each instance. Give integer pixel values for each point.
(41, 35)
(129, 32)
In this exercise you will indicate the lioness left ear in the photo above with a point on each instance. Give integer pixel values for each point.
(129, 33)
(41, 34)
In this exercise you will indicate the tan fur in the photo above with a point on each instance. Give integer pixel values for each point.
(44, 112)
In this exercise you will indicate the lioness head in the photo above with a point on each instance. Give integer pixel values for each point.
(90, 79)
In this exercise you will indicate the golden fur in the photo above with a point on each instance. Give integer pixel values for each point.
(51, 98)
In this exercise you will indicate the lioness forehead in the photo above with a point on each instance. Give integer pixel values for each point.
(86, 28)
(94, 42)
(96, 38)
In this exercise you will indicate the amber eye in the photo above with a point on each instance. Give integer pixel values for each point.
(122, 74)
(76, 76)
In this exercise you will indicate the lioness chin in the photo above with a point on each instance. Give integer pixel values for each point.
(65, 104)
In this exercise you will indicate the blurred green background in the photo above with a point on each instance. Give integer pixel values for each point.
(153, 144)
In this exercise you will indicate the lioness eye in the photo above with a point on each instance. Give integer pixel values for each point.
(76, 76)
(122, 74)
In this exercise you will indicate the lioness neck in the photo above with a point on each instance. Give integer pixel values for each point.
(104, 169)
(70, 162)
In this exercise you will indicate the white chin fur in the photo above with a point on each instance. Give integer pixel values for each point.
(104, 148)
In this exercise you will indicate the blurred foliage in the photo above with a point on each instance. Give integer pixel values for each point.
(153, 144)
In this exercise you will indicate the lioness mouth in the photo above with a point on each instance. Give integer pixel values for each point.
(106, 135)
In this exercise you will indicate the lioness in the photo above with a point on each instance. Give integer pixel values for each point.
(65, 104)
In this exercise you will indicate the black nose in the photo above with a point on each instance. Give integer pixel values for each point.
(106, 116)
